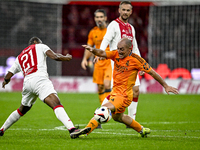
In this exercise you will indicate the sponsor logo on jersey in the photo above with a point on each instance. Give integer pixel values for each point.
(120, 68)
(117, 59)
(127, 63)
(126, 36)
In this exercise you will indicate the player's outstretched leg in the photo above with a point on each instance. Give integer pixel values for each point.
(140, 129)
(134, 124)
(93, 124)
(14, 116)
(76, 133)
(101, 115)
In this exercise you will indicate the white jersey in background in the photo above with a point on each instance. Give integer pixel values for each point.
(117, 30)
(31, 61)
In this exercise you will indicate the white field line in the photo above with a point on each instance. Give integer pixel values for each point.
(123, 132)
(111, 131)
(164, 136)
(147, 123)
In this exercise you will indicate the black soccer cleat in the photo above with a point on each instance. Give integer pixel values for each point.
(1, 132)
(79, 132)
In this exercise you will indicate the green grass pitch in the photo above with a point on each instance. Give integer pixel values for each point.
(174, 121)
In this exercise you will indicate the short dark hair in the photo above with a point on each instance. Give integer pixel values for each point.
(33, 39)
(100, 10)
(125, 2)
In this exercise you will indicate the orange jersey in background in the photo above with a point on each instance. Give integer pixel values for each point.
(125, 72)
(95, 38)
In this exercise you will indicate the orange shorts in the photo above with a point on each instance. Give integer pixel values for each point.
(120, 103)
(102, 73)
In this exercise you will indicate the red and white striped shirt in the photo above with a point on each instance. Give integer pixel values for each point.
(31, 61)
(117, 30)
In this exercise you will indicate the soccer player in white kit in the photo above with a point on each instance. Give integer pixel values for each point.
(32, 62)
(116, 30)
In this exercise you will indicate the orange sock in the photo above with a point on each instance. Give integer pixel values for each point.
(136, 126)
(93, 124)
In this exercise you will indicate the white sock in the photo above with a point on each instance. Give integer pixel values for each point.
(14, 116)
(132, 109)
(63, 117)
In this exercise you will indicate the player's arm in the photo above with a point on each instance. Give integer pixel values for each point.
(97, 52)
(144, 66)
(158, 78)
(86, 56)
(134, 43)
(15, 68)
(7, 78)
(104, 43)
(136, 49)
(58, 57)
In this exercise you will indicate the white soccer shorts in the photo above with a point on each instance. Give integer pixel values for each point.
(36, 87)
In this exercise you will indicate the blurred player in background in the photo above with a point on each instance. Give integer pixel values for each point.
(126, 67)
(102, 69)
(32, 62)
(116, 30)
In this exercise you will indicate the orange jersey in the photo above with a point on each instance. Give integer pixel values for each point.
(125, 72)
(95, 38)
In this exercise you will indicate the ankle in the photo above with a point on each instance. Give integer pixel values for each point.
(141, 130)
(72, 130)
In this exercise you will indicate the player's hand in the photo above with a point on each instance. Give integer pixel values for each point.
(171, 89)
(3, 84)
(69, 57)
(141, 73)
(102, 58)
(96, 59)
(84, 63)
(87, 47)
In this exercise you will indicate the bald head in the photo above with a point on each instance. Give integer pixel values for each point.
(124, 47)
(127, 42)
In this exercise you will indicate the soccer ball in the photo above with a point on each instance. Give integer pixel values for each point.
(102, 114)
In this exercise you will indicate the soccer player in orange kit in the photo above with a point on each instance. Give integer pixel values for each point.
(126, 67)
(102, 69)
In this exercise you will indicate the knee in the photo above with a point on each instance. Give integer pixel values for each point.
(22, 110)
(107, 84)
(52, 100)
